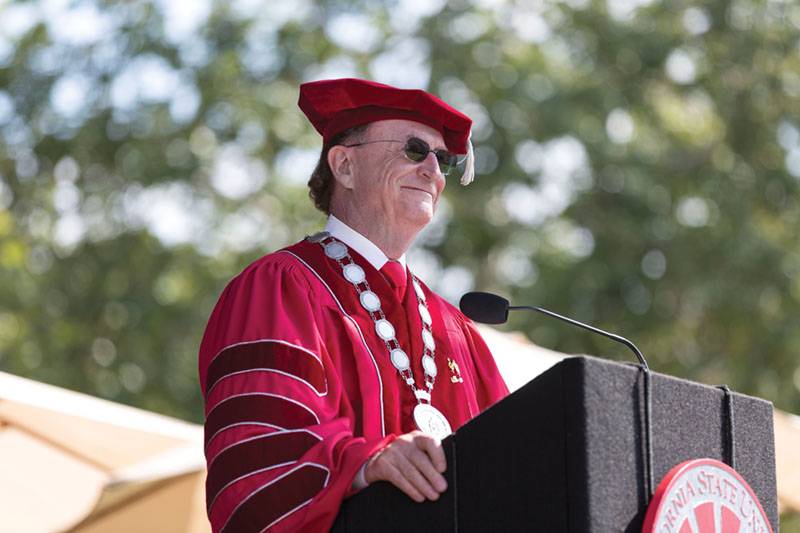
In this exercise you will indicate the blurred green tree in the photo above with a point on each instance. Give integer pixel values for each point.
(638, 168)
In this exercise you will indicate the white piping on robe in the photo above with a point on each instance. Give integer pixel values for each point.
(358, 328)
(253, 493)
(254, 472)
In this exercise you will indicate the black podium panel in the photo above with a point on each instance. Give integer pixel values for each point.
(605, 456)
(565, 453)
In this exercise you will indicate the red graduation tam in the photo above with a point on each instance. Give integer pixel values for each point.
(333, 106)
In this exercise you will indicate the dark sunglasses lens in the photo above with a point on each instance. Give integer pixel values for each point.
(447, 161)
(417, 150)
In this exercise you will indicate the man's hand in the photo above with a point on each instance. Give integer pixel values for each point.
(413, 463)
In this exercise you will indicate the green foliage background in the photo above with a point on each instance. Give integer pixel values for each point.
(639, 164)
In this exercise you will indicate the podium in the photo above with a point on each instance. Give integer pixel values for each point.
(566, 453)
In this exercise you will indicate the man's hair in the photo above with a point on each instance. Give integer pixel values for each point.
(321, 183)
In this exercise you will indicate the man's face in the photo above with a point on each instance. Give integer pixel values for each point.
(387, 185)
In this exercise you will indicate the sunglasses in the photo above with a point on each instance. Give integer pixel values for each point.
(417, 150)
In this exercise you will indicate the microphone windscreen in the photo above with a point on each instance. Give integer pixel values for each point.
(484, 307)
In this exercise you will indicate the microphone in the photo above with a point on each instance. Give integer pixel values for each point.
(490, 308)
(484, 307)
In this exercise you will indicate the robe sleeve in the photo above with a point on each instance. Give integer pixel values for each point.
(279, 442)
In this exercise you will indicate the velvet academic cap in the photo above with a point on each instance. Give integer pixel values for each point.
(333, 106)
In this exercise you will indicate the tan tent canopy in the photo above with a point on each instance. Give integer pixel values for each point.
(72, 462)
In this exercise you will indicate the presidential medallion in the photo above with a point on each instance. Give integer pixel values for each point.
(431, 421)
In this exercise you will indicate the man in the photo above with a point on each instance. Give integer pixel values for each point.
(327, 366)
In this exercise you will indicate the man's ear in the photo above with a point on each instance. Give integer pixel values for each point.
(341, 165)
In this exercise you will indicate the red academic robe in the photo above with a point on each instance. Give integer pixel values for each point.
(300, 391)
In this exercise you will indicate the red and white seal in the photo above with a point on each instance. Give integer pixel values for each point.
(705, 496)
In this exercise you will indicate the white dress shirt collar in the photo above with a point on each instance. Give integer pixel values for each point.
(359, 243)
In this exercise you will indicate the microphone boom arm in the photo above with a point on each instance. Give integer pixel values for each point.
(612, 336)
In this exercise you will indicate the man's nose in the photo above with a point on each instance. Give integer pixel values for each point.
(430, 166)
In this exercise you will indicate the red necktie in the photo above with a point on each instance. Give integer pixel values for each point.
(395, 274)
